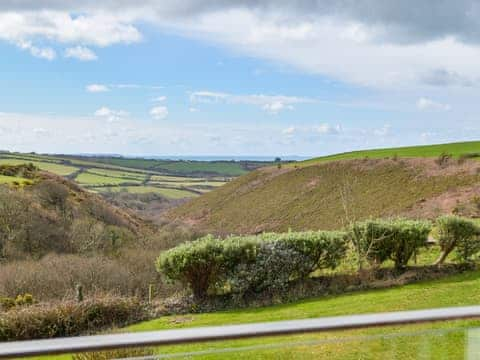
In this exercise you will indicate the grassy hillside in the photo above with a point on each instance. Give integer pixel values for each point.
(325, 195)
(377, 343)
(454, 149)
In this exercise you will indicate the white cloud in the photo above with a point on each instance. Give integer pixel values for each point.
(109, 114)
(327, 129)
(428, 104)
(97, 88)
(366, 42)
(159, 112)
(272, 104)
(81, 53)
(159, 99)
(289, 131)
(93, 28)
(40, 52)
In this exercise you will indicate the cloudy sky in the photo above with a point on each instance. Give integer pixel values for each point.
(206, 77)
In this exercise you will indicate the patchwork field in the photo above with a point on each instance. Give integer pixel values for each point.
(171, 179)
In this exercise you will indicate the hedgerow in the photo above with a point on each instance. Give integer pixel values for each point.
(69, 318)
(396, 240)
(251, 264)
(457, 233)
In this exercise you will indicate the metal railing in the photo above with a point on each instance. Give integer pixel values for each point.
(217, 333)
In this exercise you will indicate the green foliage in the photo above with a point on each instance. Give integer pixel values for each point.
(7, 303)
(27, 171)
(199, 263)
(457, 233)
(25, 299)
(242, 265)
(396, 240)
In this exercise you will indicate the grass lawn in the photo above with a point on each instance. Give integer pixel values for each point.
(452, 291)
(455, 149)
(400, 342)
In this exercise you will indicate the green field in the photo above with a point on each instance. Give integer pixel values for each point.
(87, 178)
(101, 175)
(401, 342)
(55, 168)
(451, 291)
(178, 167)
(167, 192)
(454, 149)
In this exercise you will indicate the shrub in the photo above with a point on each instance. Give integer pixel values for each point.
(381, 240)
(458, 233)
(200, 263)
(317, 249)
(6, 303)
(141, 353)
(69, 318)
(443, 159)
(242, 265)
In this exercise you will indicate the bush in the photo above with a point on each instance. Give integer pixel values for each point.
(396, 240)
(199, 263)
(317, 249)
(458, 233)
(69, 318)
(242, 265)
(141, 353)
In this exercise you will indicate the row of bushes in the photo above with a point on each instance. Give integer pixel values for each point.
(251, 264)
(69, 318)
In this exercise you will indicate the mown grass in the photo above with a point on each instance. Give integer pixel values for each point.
(311, 197)
(402, 342)
(454, 149)
(451, 291)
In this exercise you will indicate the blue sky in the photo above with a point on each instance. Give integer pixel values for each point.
(207, 78)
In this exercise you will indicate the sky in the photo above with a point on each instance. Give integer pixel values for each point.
(256, 78)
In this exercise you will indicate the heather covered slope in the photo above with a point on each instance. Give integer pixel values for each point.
(325, 195)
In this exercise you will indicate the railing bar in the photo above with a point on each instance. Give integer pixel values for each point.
(298, 343)
(216, 333)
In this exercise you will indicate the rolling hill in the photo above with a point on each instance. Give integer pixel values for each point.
(458, 149)
(327, 193)
(170, 179)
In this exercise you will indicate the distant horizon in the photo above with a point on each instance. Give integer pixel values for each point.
(242, 157)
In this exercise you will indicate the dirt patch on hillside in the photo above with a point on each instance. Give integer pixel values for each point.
(431, 167)
(455, 201)
(421, 166)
